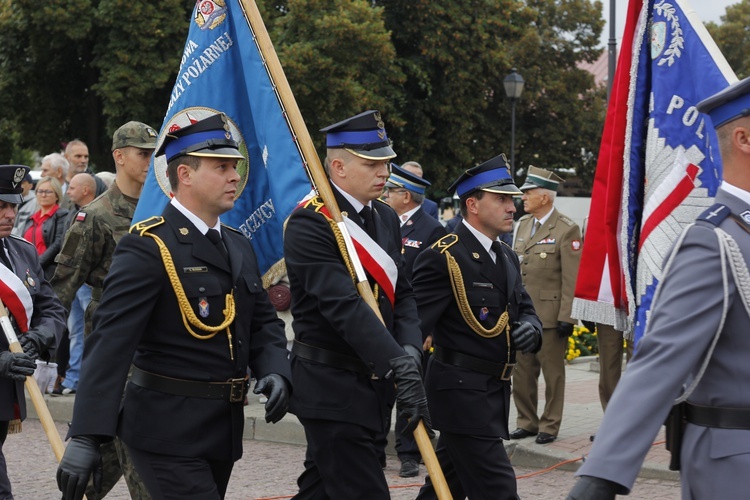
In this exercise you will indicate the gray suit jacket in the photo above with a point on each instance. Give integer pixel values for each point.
(715, 462)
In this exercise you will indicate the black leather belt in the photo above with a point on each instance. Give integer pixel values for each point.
(722, 418)
(331, 358)
(233, 390)
(455, 358)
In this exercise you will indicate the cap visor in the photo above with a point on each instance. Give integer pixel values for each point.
(225, 152)
(528, 185)
(384, 153)
(12, 198)
(501, 189)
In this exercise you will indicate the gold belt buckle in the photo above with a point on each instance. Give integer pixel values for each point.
(237, 390)
(508, 369)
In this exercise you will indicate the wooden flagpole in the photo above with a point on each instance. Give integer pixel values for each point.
(320, 181)
(33, 389)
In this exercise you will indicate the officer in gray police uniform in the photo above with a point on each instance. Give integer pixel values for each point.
(689, 308)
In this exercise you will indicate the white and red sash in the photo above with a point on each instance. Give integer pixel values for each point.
(16, 297)
(374, 259)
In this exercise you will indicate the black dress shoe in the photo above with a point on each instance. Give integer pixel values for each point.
(409, 468)
(521, 433)
(544, 438)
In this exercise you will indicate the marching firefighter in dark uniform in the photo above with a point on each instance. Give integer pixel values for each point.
(471, 298)
(404, 192)
(184, 303)
(346, 360)
(36, 313)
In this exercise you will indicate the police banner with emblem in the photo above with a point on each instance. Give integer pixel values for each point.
(223, 70)
(659, 165)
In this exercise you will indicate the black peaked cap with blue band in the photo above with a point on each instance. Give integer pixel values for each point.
(492, 176)
(11, 177)
(401, 178)
(362, 135)
(729, 104)
(210, 137)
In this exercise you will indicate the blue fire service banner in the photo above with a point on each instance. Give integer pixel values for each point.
(222, 70)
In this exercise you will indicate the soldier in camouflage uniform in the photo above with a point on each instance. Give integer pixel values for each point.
(87, 254)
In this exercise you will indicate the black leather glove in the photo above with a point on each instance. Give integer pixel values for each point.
(411, 402)
(276, 389)
(35, 343)
(595, 488)
(564, 329)
(82, 458)
(414, 353)
(16, 365)
(525, 337)
(590, 325)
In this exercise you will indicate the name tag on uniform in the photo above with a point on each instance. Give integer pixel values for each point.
(197, 269)
(477, 284)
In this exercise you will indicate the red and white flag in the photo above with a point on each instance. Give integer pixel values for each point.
(16, 297)
(658, 166)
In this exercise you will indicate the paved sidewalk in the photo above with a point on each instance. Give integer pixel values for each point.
(581, 418)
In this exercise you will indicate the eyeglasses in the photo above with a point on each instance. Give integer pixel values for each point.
(44, 192)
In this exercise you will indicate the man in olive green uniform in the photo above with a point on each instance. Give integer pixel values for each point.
(548, 245)
(87, 254)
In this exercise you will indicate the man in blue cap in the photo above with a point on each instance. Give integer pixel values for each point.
(184, 304)
(346, 360)
(404, 193)
(471, 298)
(35, 312)
(697, 338)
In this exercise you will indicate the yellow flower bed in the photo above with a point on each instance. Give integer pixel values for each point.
(582, 343)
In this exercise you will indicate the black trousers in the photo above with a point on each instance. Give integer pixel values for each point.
(181, 478)
(5, 491)
(475, 467)
(341, 463)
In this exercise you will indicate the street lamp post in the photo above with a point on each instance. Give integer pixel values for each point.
(513, 84)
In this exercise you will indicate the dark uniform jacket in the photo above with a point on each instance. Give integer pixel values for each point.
(139, 319)
(48, 316)
(417, 234)
(329, 313)
(463, 401)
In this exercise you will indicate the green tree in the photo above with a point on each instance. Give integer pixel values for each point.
(457, 53)
(733, 37)
(81, 68)
(338, 59)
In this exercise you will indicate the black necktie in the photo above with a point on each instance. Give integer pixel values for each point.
(215, 237)
(366, 214)
(4, 256)
(497, 247)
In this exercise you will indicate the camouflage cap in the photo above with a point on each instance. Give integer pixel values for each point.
(136, 134)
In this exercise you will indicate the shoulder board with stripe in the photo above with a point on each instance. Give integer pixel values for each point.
(445, 242)
(144, 225)
(715, 214)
